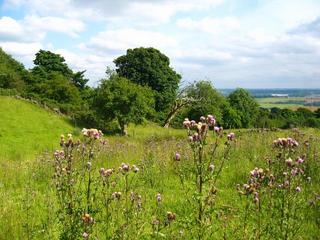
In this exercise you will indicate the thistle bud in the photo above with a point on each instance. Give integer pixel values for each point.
(231, 136)
(89, 165)
(85, 235)
(171, 216)
(289, 162)
(158, 197)
(124, 167)
(135, 169)
(211, 167)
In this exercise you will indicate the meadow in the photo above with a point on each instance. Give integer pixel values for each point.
(155, 183)
(292, 103)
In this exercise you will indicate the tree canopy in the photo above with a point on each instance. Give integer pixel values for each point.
(209, 100)
(46, 62)
(12, 73)
(120, 99)
(245, 105)
(150, 67)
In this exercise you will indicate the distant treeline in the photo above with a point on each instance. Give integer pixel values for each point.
(263, 93)
(142, 87)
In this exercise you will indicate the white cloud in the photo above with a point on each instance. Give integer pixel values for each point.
(94, 64)
(71, 27)
(17, 31)
(10, 28)
(252, 48)
(141, 12)
(21, 49)
(123, 39)
(210, 25)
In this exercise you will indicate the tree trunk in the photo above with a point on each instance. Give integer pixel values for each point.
(171, 115)
(124, 128)
(178, 105)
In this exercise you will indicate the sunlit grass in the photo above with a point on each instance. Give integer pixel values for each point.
(29, 135)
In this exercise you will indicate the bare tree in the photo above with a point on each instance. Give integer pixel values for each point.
(181, 101)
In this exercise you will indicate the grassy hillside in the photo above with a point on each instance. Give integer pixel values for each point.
(26, 129)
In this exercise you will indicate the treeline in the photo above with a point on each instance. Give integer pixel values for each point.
(142, 87)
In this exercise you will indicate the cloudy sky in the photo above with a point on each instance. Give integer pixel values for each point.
(233, 43)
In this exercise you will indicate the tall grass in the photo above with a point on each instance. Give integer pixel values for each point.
(30, 210)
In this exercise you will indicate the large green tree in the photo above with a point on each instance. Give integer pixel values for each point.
(245, 105)
(46, 62)
(119, 99)
(55, 83)
(150, 67)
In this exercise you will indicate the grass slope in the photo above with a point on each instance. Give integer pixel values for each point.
(26, 129)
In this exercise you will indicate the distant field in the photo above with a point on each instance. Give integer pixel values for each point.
(290, 102)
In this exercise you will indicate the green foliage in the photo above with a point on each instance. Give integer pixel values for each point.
(317, 113)
(57, 89)
(47, 62)
(12, 73)
(79, 80)
(149, 67)
(55, 84)
(231, 118)
(209, 100)
(118, 98)
(245, 105)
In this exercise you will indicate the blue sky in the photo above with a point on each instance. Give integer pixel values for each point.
(233, 43)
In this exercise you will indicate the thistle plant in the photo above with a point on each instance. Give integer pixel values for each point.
(73, 180)
(274, 194)
(199, 178)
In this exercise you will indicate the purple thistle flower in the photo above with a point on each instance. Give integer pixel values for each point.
(211, 120)
(300, 160)
(231, 136)
(124, 167)
(177, 157)
(85, 235)
(186, 123)
(158, 197)
(289, 162)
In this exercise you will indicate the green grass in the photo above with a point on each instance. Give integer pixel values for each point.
(29, 135)
(26, 129)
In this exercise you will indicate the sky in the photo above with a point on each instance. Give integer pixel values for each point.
(232, 43)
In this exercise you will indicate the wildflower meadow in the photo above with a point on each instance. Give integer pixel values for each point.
(199, 183)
